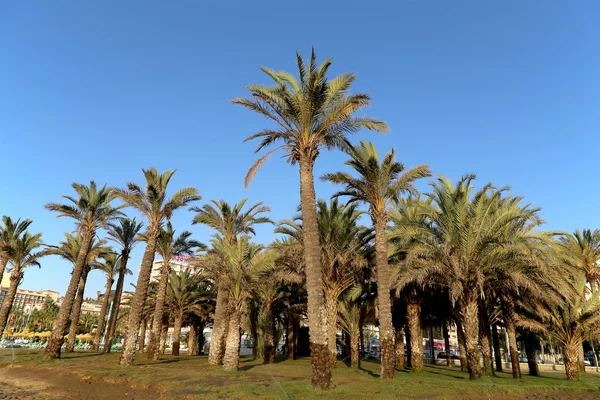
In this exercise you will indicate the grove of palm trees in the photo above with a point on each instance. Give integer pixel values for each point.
(401, 253)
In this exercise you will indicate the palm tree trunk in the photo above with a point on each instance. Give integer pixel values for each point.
(114, 313)
(291, 339)
(386, 332)
(447, 343)
(462, 346)
(269, 335)
(76, 312)
(7, 304)
(103, 309)
(193, 349)
(164, 331)
(159, 310)
(508, 311)
(581, 359)
(55, 340)
(143, 336)
(470, 317)
(413, 314)
(530, 345)
(331, 311)
(319, 352)
(177, 331)
(231, 361)
(400, 348)
(486, 341)
(215, 352)
(139, 298)
(354, 349)
(571, 368)
(496, 342)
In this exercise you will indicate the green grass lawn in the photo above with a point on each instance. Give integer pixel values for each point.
(191, 377)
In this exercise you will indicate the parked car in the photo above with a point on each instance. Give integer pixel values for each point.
(453, 356)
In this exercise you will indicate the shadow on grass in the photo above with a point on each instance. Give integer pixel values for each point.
(75, 355)
(368, 371)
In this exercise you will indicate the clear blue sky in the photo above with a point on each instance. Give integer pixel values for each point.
(100, 89)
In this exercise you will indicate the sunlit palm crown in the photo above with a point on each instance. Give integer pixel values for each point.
(582, 251)
(231, 222)
(153, 202)
(11, 230)
(377, 184)
(458, 237)
(91, 210)
(70, 247)
(309, 112)
(345, 245)
(124, 233)
(23, 252)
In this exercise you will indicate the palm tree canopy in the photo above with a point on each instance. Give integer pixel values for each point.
(22, 251)
(459, 240)
(124, 233)
(345, 244)
(240, 264)
(582, 252)
(231, 222)
(91, 209)
(152, 202)
(69, 248)
(309, 112)
(11, 230)
(189, 293)
(378, 184)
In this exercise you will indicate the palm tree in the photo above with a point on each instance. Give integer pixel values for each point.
(22, 252)
(187, 295)
(582, 250)
(91, 211)
(570, 320)
(378, 185)
(69, 250)
(451, 243)
(167, 246)
(245, 263)
(269, 291)
(230, 222)
(345, 249)
(311, 113)
(157, 208)
(10, 231)
(124, 234)
(110, 267)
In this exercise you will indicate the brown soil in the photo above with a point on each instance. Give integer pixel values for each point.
(41, 384)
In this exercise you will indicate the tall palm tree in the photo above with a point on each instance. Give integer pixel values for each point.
(452, 242)
(378, 185)
(245, 263)
(110, 267)
(69, 250)
(570, 320)
(311, 113)
(167, 246)
(10, 231)
(582, 250)
(153, 203)
(230, 222)
(124, 234)
(188, 294)
(345, 249)
(22, 252)
(91, 211)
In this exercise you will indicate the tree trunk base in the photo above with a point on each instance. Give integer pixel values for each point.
(321, 366)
